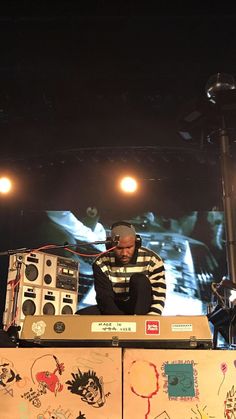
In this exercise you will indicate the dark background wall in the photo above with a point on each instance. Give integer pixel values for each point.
(89, 92)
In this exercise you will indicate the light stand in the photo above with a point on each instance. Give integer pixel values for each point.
(227, 189)
(220, 90)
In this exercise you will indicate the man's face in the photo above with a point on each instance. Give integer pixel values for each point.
(125, 249)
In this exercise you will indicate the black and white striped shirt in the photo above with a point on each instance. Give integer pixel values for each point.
(144, 261)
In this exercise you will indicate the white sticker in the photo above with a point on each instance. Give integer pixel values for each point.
(39, 328)
(113, 327)
(182, 327)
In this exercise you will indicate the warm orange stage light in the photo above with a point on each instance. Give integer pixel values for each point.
(128, 184)
(5, 185)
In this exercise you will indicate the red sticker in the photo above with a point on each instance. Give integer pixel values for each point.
(152, 327)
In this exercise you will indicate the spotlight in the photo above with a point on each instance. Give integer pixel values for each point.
(5, 185)
(128, 184)
(217, 83)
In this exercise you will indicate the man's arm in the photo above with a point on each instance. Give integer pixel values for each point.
(158, 283)
(104, 293)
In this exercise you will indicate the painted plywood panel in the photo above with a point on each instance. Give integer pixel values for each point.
(61, 383)
(179, 384)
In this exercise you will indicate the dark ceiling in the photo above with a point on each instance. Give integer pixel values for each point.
(100, 81)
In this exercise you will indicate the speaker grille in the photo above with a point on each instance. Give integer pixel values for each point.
(47, 279)
(31, 272)
(28, 307)
(48, 308)
(67, 310)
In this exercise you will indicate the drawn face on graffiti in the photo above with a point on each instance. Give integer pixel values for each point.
(46, 370)
(89, 387)
(7, 375)
(91, 391)
(49, 380)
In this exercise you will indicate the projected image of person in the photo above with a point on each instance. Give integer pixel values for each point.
(131, 278)
(87, 230)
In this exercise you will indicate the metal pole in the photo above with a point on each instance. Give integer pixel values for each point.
(227, 187)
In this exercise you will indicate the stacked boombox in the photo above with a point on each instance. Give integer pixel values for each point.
(47, 285)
